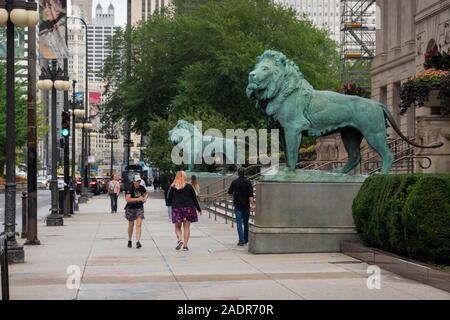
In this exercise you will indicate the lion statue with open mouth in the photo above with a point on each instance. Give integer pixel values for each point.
(278, 85)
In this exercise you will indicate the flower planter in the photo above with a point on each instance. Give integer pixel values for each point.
(433, 101)
(431, 107)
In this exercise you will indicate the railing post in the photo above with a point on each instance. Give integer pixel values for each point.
(215, 211)
(226, 212)
(232, 216)
(209, 211)
(24, 215)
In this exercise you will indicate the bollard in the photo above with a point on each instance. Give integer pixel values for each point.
(24, 215)
(4, 268)
(226, 213)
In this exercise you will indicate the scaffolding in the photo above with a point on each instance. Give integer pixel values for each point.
(358, 28)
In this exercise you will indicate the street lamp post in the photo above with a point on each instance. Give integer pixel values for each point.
(112, 139)
(19, 14)
(32, 201)
(55, 79)
(77, 111)
(86, 126)
(83, 163)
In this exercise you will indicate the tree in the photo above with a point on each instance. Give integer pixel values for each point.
(21, 115)
(193, 61)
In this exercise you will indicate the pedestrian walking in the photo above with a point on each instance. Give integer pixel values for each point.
(195, 185)
(242, 191)
(167, 190)
(155, 182)
(113, 191)
(136, 196)
(185, 205)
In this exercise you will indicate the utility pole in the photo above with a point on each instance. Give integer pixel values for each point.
(32, 230)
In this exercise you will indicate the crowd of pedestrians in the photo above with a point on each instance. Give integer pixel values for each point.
(183, 207)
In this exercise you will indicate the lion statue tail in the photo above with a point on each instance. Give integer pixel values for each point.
(391, 120)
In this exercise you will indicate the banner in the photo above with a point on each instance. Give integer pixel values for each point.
(95, 98)
(52, 29)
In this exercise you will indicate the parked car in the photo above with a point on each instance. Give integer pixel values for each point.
(42, 182)
(103, 182)
(78, 185)
(94, 186)
(61, 183)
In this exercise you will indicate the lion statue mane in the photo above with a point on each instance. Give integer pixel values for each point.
(279, 86)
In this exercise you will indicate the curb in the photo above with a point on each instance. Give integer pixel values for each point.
(414, 270)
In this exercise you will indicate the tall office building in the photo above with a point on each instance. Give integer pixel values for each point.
(101, 29)
(83, 8)
(325, 14)
(142, 9)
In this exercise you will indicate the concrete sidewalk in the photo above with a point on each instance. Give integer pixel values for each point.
(215, 268)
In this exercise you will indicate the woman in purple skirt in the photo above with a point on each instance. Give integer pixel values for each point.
(185, 206)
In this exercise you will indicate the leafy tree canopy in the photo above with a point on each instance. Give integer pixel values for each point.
(192, 61)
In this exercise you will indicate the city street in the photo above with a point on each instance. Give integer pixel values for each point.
(91, 248)
(44, 201)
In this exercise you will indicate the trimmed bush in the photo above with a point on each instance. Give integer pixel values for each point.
(406, 214)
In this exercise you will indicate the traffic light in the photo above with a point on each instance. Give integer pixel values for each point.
(65, 124)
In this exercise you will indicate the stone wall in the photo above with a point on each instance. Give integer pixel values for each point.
(408, 29)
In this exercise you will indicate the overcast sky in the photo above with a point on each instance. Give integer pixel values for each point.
(119, 5)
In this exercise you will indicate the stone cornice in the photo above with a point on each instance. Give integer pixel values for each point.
(431, 11)
(394, 63)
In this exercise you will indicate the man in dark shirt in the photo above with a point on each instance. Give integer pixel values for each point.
(242, 191)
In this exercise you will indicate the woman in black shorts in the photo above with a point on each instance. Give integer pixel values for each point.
(134, 210)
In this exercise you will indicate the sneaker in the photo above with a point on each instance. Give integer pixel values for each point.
(138, 245)
(130, 244)
(185, 249)
(179, 244)
(240, 243)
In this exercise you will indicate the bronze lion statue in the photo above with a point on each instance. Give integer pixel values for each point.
(278, 85)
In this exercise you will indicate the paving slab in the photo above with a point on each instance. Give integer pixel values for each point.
(95, 242)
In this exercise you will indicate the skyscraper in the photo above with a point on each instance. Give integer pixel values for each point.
(101, 29)
(84, 9)
(142, 9)
(325, 14)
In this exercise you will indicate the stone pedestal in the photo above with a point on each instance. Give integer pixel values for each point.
(303, 217)
(433, 129)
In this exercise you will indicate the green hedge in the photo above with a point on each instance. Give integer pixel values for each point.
(406, 214)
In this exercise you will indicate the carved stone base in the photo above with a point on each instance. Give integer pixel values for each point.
(434, 129)
(16, 254)
(32, 243)
(55, 221)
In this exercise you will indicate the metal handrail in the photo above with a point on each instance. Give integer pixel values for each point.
(234, 173)
(410, 157)
(225, 191)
